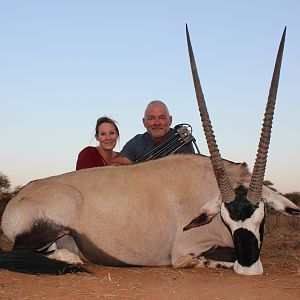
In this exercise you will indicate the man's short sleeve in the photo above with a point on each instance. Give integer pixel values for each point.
(128, 150)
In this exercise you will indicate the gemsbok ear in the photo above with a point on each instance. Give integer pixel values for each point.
(279, 203)
(206, 213)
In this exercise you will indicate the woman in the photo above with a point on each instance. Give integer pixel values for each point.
(107, 134)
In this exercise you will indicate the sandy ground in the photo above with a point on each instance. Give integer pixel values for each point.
(281, 280)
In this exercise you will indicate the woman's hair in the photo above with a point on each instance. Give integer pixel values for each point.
(106, 120)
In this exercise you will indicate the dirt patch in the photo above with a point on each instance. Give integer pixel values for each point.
(281, 280)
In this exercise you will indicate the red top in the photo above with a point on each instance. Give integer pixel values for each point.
(89, 157)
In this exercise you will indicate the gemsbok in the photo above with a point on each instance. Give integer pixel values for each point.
(181, 210)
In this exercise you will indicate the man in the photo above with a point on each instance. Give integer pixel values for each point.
(157, 122)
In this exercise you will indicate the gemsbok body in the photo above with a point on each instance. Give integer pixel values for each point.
(181, 210)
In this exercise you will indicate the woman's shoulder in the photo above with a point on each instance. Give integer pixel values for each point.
(88, 149)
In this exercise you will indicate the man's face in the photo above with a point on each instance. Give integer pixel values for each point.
(157, 121)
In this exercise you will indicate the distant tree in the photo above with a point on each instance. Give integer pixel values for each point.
(4, 183)
(5, 192)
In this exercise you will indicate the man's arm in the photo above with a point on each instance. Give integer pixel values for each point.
(127, 155)
(120, 161)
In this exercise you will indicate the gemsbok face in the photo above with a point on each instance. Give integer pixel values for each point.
(242, 209)
(245, 221)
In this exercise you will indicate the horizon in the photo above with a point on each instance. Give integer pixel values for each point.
(66, 63)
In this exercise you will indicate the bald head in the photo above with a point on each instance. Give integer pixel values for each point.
(157, 103)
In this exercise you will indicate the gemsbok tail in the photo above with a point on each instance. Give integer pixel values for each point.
(34, 263)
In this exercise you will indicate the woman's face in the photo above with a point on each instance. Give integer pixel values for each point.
(107, 136)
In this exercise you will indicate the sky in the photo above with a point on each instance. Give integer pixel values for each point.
(65, 63)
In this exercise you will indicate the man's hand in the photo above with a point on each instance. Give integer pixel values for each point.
(120, 161)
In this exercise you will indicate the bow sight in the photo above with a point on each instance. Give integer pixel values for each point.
(183, 136)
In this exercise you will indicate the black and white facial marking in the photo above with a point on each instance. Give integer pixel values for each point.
(245, 221)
